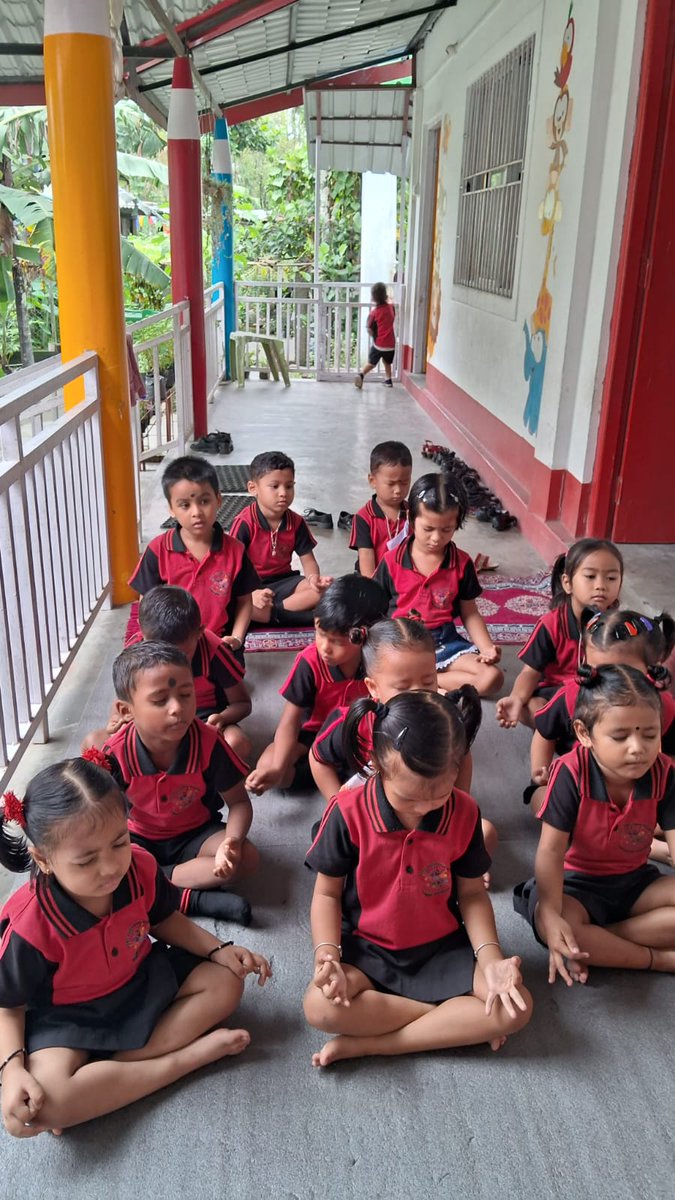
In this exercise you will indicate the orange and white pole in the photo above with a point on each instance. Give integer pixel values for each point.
(80, 109)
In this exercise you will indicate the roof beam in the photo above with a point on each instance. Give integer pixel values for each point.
(22, 92)
(36, 50)
(321, 40)
(367, 77)
(177, 45)
(235, 13)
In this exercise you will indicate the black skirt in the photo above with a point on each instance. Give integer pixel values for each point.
(430, 973)
(123, 1020)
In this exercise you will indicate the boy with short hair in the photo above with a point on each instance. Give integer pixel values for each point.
(382, 523)
(272, 533)
(198, 555)
(178, 773)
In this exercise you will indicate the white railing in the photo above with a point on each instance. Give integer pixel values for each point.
(323, 327)
(162, 347)
(214, 334)
(54, 569)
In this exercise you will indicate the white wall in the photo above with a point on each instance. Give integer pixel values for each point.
(480, 344)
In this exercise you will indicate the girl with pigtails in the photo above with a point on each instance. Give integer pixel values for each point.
(406, 952)
(93, 1014)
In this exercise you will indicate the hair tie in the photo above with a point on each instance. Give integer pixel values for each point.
(659, 675)
(14, 810)
(357, 635)
(381, 711)
(415, 615)
(587, 676)
(98, 758)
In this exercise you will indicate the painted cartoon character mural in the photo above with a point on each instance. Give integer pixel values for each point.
(549, 213)
(441, 204)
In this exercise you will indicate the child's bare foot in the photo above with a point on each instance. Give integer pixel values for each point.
(663, 960)
(337, 1048)
(497, 1043)
(577, 970)
(487, 880)
(220, 1043)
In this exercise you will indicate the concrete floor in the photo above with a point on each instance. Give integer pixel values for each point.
(580, 1103)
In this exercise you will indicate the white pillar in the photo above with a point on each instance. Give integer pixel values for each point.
(378, 240)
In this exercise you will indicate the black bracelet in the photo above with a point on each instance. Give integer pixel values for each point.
(220, 946)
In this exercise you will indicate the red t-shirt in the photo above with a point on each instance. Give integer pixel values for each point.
(372, 529)
(380, 325)
(553, 646)
(215, 670)
(328, 745)
(605, 839)
(271, 553)
(317, 688)
(225, 574)
(436, 597)
(554, 720)
(400, 888)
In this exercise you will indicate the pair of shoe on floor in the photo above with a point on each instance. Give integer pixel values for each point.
(217, 442)
(489, 507)
(313, 516)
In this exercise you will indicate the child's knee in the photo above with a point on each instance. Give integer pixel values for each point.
(317, 1009)
(250, 858)
(490, 680)
(240, 743)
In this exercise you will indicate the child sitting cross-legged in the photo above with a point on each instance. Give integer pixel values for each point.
(170, 614)
(382, 523)
(406, 952)
(272, 533)
(94, 1014)
(198, 555)
(324, 676)
(178, 774)
(595, 899)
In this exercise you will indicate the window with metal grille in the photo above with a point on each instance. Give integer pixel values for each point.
(495, 132)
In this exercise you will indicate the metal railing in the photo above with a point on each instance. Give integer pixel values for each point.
(323, 327)
(162, 347)
(214, 334)
(54, 569)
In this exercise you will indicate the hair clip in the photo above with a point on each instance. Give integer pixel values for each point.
(381, 711)
(400, 737)
(595, 620)
(97, 757)
(14, 810)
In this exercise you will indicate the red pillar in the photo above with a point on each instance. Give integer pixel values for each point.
(185, 207)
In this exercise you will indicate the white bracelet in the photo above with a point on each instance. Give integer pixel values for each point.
(237, 639)
(333, 944)
(482, 947)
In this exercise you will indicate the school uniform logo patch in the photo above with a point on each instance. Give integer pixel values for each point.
(136, 935)
(436, 878)
(219, 583)
(183, 797)
(634, 836)
(440, 598)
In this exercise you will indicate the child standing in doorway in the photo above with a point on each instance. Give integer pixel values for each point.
(380, 326)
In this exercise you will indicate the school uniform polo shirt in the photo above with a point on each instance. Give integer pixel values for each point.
(434, 598)
(605, 839)
(215, 670)
(53, 952)
(165, 804)
(553, 646)
(554, 720)
(328, 746)
(400, 888)
(380, 325)
(271, 555)
(373, 530)
(318, 688)
(220, 578)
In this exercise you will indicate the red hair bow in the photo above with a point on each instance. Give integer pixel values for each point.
(96, 756)
(13, 810)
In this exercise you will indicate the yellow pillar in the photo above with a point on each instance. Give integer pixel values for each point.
(80, 107)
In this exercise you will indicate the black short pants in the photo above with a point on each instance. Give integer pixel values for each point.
(375, 356)
(606, 898)
(170, 852)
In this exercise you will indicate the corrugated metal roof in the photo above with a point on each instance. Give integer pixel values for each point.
(255, 59)
(361, 129)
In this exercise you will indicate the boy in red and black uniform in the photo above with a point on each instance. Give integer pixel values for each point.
(380, 326)
(272, 533)
(178, 773)
(382, 523)
(198, 555)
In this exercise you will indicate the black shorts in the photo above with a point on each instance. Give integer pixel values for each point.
(170, 852)
(375, 355)
(606, 898)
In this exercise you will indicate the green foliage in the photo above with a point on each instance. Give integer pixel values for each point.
(136, 133)
(132, 166)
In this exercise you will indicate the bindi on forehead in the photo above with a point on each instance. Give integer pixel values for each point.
(172, 681)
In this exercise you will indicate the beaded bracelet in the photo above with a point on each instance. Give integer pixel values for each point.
(215, 950)
(9, 1058)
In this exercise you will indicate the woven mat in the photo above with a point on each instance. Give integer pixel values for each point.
(229, 509)
(512, 605)
(233, 477)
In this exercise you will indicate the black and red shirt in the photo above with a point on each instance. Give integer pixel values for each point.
(54, 952)
(271, 551)
(165, 804)
(215, 670)
(400, 884)
(555, 720)
(221, 577)
(434, 598)
(372, 529)
(380, 326)
(328, 745)
(606, 839)
(553, 646)
(318, 688)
